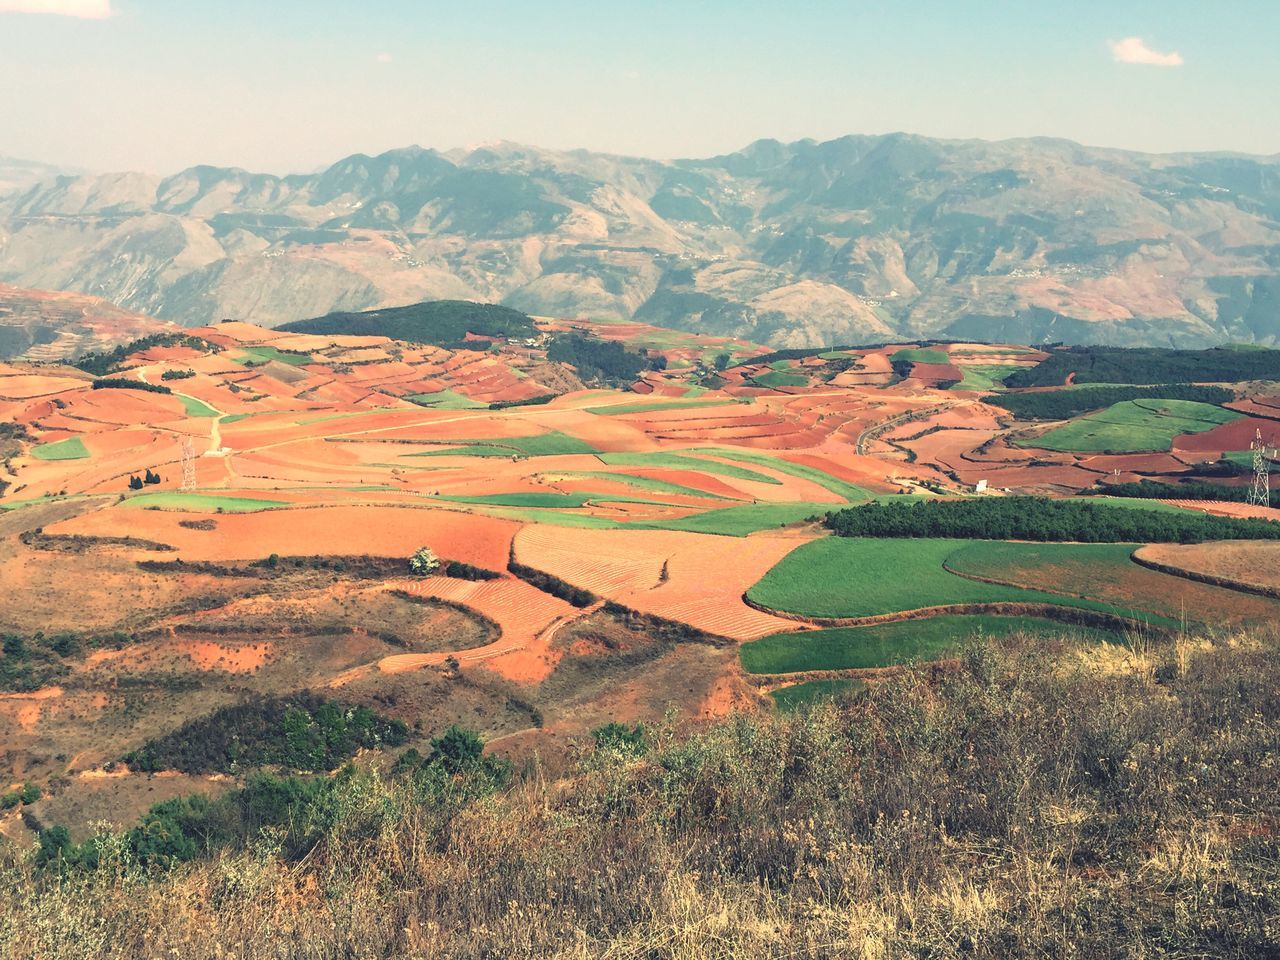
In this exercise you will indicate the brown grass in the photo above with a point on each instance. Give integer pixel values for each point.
(1037, 801)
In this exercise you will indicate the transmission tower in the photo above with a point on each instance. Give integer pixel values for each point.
(188, 464)
(1260, 491)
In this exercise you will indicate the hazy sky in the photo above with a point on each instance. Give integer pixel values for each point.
(290, 85)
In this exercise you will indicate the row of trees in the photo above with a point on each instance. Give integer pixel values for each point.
(137, 483)
(1064, 404)
(1043, 519)
(1185, 490)
(1149, 365)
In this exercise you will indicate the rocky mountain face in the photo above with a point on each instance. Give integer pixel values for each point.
(50, 326)
(861, 239)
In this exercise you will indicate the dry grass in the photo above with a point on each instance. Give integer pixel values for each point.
(1035, 802)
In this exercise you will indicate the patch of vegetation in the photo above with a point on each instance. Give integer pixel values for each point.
(72, 448)
(838, 577)
(889, 644)
(848, 491)
(1133, 426)
(28, 664)
(264, 354)
(1149, 365)
(100, 364)
(780, 378)
(920, 355)
(196, 408)
(1071, 402)
(647, 483)
(799, 696)
(27, 793)
(551, 444)
(177, 374)
(741, 521)
(445, 400)
(654, 406)
(127, 383)
(988, 377)
(438, 322)
(528, 402)
(201, 502)
(1180, 490)
(301, 732)
(1041, 518)
(598, 361)
(680, 461)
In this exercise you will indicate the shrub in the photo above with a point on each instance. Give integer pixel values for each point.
(424, 562)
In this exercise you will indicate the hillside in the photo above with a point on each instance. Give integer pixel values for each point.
(44, 325)
(438, 322)
(857, 240)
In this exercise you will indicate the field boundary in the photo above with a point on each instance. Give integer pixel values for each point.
(1072, 616)
(1272, 593)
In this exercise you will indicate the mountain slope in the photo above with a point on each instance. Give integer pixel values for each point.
(43, 325)
(864, 238)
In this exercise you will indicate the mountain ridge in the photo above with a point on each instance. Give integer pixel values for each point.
(793, 244)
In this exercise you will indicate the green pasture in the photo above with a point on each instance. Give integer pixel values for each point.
(920, 355)
(551, 444)
(850, 492)
(987, 376)
(813, 691)
(681, 461)
(740, 521)
(72, 448)
(263, 353)
(1133, 426)
(196, 408)
(780, 378)
(200, 502)
(445, 400)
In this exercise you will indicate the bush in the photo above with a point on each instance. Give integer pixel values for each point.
(424, 562)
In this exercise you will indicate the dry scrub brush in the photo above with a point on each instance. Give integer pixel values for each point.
(1041, 800)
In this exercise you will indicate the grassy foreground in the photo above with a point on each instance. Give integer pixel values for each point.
(1041, 800)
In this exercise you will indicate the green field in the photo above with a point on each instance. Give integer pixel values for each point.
(196, 408)
(201, 503)
(887, 644)
(850, 492)
(780, 378)
(271, 353)
(1105, 572)
(445, 400)
(551, 444)
(654, 406)
(988, 377)
(857, 577)
(813, 691)
(679, 461)
(234, 418)
(549, 499)
(646, 483)
(1132, 426)
(72, 448)
(741, 521)
(920, 355)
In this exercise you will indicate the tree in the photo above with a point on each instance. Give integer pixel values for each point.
(135, 483)
(424, 562)
(722, 361)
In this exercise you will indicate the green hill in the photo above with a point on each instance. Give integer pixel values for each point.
(438, 322)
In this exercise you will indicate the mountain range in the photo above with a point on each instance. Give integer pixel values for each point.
(854, 240)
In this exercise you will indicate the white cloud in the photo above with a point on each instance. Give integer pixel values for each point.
(384, 58)
(87, 9)
(1135, 50)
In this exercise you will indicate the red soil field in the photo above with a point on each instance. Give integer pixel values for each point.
(386, 531)
(705, 576)
(1237, 435)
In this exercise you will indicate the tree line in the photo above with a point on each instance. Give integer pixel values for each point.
(1042, 519)
(1149, 365)
(1064, 404)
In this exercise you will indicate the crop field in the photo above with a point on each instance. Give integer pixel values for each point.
(682, 461)
(805, 694)
(1106, 572)
(552, 444)
(889, 644)
(1134, 425)
(921, 355)
(985, 377)
(72, 448)
(837, 578)
(196, 408)
(445, 400)
(200, 502)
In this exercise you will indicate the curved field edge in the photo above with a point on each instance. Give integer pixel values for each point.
(891, 643)
(854, 581)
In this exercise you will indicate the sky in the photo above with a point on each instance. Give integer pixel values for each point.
(292, 85)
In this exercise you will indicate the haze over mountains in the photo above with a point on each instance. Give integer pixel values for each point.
(856, 240)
